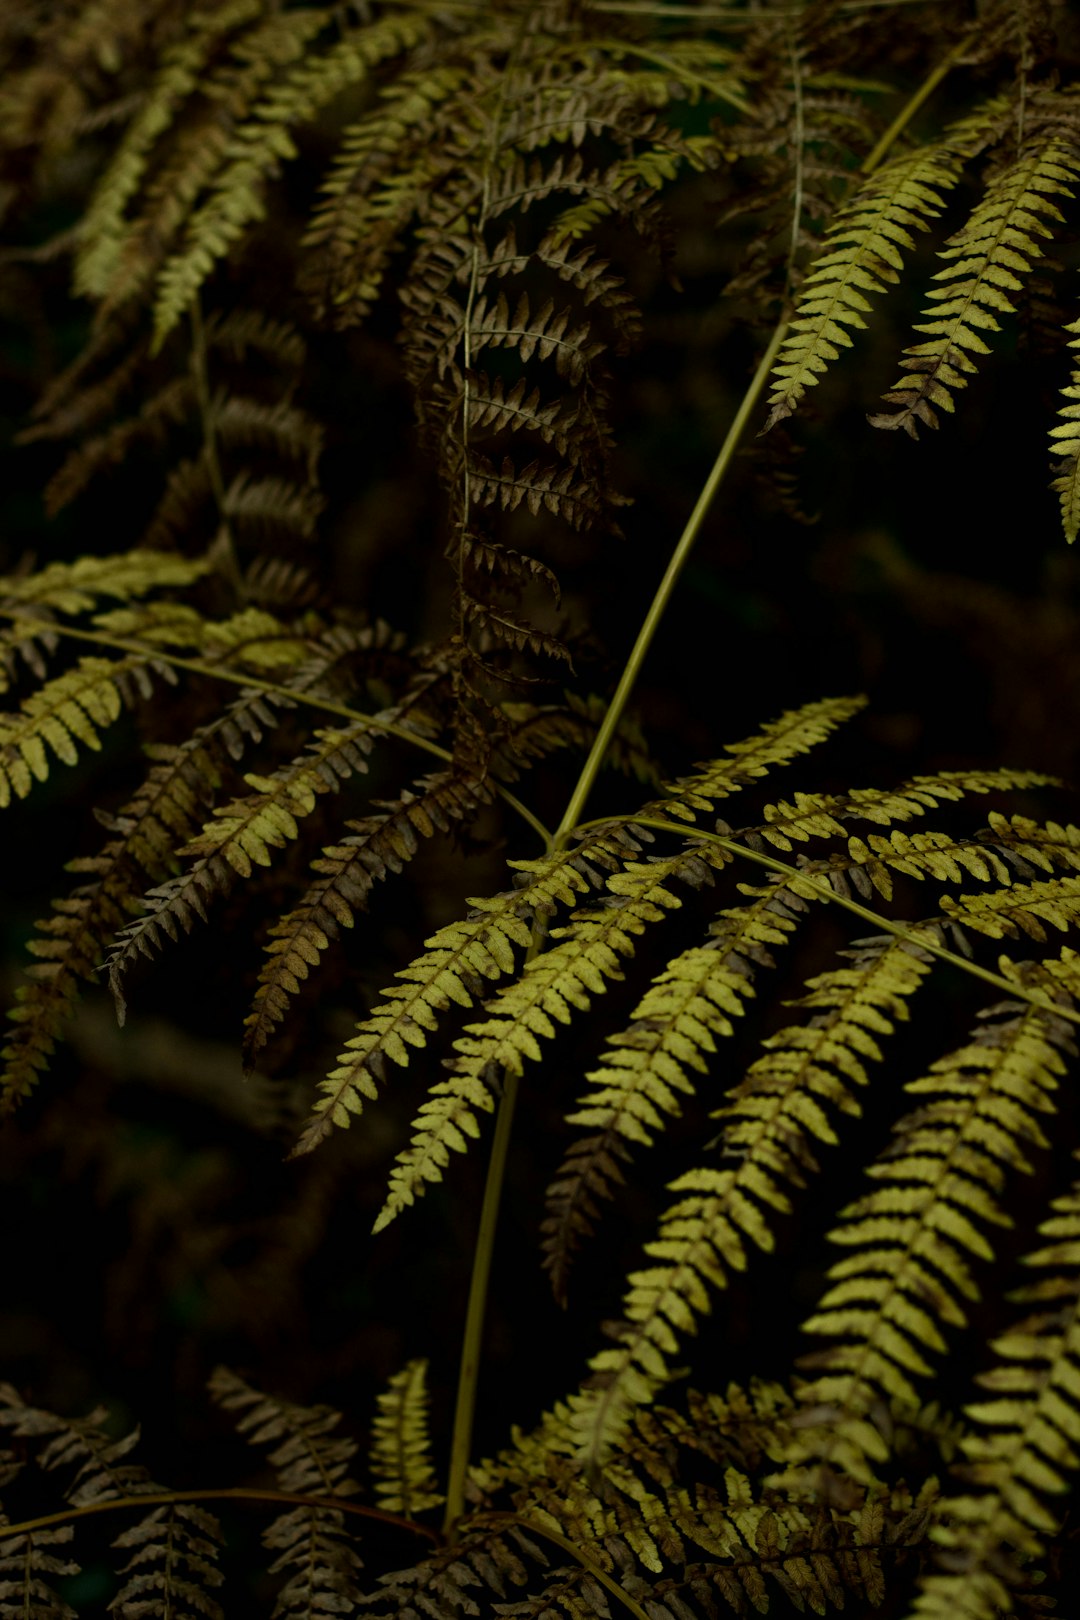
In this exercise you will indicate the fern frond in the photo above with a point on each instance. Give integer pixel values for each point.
(635, 1091)
(822, 815)
(914, 1239)
(797, 731)
(1021, 910)
(96, 1465)
(28, 1566)
(104, 233)
(1065, 442)
(347, 871)
(457, 961)
(72, 709)
(241, 835)
(74, 587)
(988, 256)
(315, 1552)
(551, 987)
(164, 812)
(172, 1569)
(775, 1116)
(400, 1455)
(482, 1560)
(641, 1073)
(861, 255)
(376, 183)
(1026, 1441)
(261, 144)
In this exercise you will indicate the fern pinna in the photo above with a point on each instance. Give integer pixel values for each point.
(761, 1019)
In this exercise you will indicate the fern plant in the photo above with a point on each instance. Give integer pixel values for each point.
(792, 1057)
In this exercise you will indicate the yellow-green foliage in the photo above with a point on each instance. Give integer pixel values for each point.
(284, 214)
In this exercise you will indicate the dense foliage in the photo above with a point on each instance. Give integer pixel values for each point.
(413, 985)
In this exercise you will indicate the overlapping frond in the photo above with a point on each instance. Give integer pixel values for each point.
(345, 874)
(173, 1564)
(241, 835)
(773, 1124)
(986, 260)
(262, 141)
(552, 986)
(917, 1239)
(862, 254)
(315, 1557)
(457, 962)
(1023, 1450)
(459, 958)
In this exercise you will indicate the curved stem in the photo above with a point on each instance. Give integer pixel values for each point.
(236, 1493)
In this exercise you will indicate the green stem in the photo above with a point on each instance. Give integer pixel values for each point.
(825, 891)
(660, 601)
(911, 107)
(237, 1493)
(215, 672)
(468, 1376)
(461, 1441)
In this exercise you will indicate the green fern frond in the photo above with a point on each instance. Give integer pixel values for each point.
(400, 1455)
(988, 257)
(347, 871)
(915, 1238)
(74, 587)
(797, 731)
(1026, 1441)
(861, 255)
(458, 960)
(821, 815)
(1021, 910)
(384, 165)
(551, 987)
(775, 1117)
(641, 1074)
(588, 953)
(1065, 442)
(103, 233)
(71, 710)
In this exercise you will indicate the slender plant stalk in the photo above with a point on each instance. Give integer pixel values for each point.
(652, 619)
(476, 1309)
(237, 1493)
(461, 1439)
